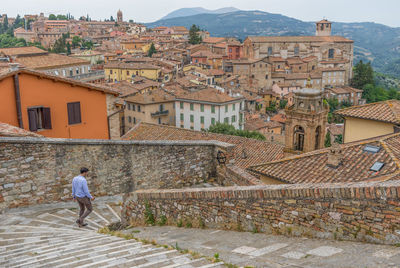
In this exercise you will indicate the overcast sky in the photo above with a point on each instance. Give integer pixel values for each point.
(383, 11)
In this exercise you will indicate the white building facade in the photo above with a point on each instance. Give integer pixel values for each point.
(200, 115)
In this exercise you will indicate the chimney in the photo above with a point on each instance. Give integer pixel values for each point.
(335, 156)
(244, 154)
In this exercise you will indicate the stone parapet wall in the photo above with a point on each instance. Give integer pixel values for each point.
(231, 175)
(34, 171)
(353, 211)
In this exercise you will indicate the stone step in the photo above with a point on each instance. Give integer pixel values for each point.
(22, 256)
(64, 220)
(59, 256)
(162, 261)
(96, 259)
(188, 263)
(94, 222)
(35, 239)
(130, 261)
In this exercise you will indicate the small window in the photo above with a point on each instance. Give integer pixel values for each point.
(213, 109)
(212, 121)
(74, 113)
(202, 119)
(129, 119)
(191, 118)
(182, 117)
(202, 107)
(159, 120)
(371, 149)
(192, 107)
(377, 166)
(138, 108)
(296, 50)
(133, 107)
(269, 51)
(39, 118)
(233, 107)
(226, 120)
(331, 53)
(226, 108)
(161, 107)
(233, 118)
(181, 105)
(266, 76)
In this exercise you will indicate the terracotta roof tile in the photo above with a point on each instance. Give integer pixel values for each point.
(7, 130)
(208, 95)
(385, 111)
(266, 39)
(256, 151)
(49, 61)
(355, 167)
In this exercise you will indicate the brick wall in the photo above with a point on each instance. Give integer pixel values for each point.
(36, 171)
(354, 211)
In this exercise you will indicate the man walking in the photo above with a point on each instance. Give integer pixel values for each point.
(80, 193)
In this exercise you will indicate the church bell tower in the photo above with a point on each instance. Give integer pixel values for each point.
(306, 121)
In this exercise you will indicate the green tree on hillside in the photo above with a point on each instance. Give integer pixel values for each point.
(152, 50)
(230, 130)
(52, 17)
(194, 37)
(76, 41)
(363, 74)
(7, 40)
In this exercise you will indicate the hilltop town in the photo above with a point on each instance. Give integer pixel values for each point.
(280, 135)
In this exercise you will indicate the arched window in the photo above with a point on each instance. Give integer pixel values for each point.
(298, 138)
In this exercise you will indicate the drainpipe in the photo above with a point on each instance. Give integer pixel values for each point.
(18, 100)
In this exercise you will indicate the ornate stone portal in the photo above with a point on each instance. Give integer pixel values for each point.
(306, 121)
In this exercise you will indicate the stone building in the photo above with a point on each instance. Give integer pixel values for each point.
(306, 121)
(333, 52)
(119, 16)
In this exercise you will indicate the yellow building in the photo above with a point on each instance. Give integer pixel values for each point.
(121, 71)
(156, 107)
(370, 120)
(133, 44)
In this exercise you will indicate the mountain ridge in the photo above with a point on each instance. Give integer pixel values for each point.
(373, 42)
(185, 12)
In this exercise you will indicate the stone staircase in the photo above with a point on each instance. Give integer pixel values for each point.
(47, 236)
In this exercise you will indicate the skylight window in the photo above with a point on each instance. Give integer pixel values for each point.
(377, 166)
(371, 149)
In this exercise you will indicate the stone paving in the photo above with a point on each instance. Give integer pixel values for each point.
(47, 236)
(261, 250)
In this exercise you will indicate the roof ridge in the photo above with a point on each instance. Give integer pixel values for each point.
(390, 104)
(390, 153)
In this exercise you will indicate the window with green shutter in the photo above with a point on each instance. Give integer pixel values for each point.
(202, 119)
(233, 107)
(202, 107)
(212, 121)
(181, 105)
(192, 107)
(182, 117)
(213, 109)
(226, 120)
(233, 118)
(226, 108)
(191, 118)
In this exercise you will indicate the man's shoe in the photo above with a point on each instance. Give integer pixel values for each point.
(77, 221)
(84, 224)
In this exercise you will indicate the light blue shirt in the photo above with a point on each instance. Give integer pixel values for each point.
(80, 188)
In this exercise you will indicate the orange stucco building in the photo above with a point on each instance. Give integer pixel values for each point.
(53, 106)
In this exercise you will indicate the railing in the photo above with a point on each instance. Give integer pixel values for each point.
(86, 77)
(160, 113)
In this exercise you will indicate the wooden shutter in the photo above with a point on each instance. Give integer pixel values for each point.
(74, 113)
(32, 115)
(77, 113)
(70, 108)
(46, 118)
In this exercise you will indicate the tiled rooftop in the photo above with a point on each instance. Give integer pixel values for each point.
(355, 166)
(385, 111)
(256, 151)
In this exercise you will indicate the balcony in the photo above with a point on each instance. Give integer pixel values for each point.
(160, 113)
(88, 77)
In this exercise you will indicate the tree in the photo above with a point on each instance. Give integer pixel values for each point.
(327, 141)
(194, 37)
(76, 41)
(230, 130)
(68, 49)
(112, 18)
(271, 107)
(363, 74)
(282, 104)
(7, 40)
(62, 17)
(52, 17)
(152, 50)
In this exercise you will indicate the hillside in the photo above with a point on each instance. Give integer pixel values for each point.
(374, 42)
(184, 12)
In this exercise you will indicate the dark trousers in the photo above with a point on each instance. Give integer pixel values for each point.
(84, 202)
